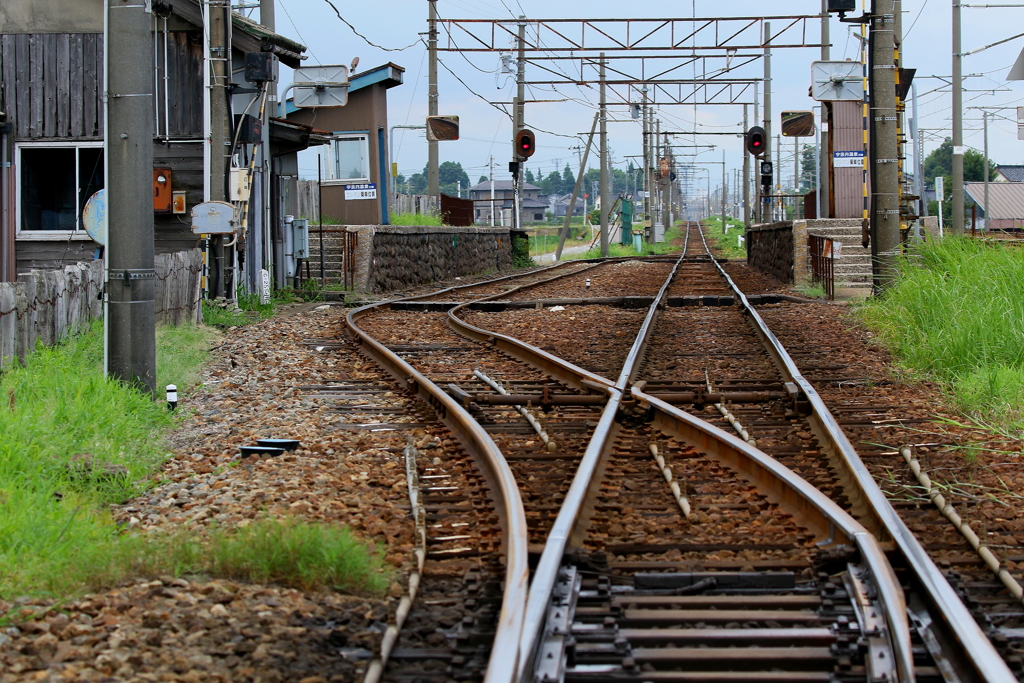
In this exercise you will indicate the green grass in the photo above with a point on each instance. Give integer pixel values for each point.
(617, 249)
(284, 552)
(73, 443)
(415, 219)
(249, 309)
(727, 244)
(956, 314)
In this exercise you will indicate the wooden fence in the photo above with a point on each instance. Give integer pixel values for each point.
(48, 306)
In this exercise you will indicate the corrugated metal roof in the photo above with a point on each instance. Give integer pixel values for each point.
(1007, 199)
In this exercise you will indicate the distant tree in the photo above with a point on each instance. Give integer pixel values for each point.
(568, 179)
(400, 183)
(940, 163)
(552, 184)
(483, 179)
(417, 183)
(807, 174)
(449, 174)
(529, 177)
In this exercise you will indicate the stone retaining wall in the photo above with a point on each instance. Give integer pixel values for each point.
(395, 257)
(770, 249)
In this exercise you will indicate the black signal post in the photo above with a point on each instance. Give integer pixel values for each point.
(526, 143)
(755, 139)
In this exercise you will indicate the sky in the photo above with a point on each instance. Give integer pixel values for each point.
(467, 82)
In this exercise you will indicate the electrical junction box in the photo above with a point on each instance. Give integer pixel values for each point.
(161, 190)
(178, 201)
(239, 185)
(249, 129)
(300, 238)
(259, 67)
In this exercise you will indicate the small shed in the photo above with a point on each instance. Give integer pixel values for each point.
(356, 183)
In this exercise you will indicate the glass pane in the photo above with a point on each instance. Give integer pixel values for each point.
(48, 189)
(349, 159)
(90, 175)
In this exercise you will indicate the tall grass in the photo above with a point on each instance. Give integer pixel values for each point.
(617, 249)
(956, 313)
(726, 243)
(415, 219)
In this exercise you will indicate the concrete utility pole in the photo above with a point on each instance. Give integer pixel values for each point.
(821, 188)
(433, 185)
(884, 153)
(519, 116)
(746, 171)
(767, 123)
(957, 179)
(268, 19)
(604, 163)
(130, 321)
(648, 234)
(725, 192)
(988, 207)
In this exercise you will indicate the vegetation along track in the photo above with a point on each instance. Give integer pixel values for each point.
(679, 552)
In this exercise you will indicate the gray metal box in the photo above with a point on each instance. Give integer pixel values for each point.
(300, 238)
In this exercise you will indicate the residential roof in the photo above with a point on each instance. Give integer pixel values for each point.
(1014, 174)
(1007, 199)
(528, 203)
(501, 185)
(251, 36)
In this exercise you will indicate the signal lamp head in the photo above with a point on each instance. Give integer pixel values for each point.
(525, 143)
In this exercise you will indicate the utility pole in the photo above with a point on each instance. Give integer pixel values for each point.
(492, 190)
(918, 152)
(268, 18)
(884, 153)
(725, 188)
(821, 189)
(958, 127)
(768, 105)
(604, 162)
(220, 132)
(130, 321)
(519, 116)
(648, 233)
(988, 207)
(433, 184)
(777, 177)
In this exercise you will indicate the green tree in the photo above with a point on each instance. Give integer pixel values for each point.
(528, 176)
(552, 184)
(417, 182)
(483, 179)
(807, 173)
(940, 163)
(449, 175)
(568, 179)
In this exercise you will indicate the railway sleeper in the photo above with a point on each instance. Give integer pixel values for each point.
(719, 626)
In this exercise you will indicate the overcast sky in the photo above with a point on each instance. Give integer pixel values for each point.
(486, 131)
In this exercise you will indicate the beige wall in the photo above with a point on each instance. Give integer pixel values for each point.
(51, 16)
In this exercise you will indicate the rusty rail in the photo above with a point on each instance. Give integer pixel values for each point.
(966, 647)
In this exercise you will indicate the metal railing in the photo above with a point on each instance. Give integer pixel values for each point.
(823, 253)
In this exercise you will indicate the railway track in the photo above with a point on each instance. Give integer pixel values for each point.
(666, 547)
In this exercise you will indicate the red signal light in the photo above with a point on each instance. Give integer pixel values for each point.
(525, 143)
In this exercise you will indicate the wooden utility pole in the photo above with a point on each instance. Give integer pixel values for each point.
(433, 185)
(220, 134)
(884, 151)
(130, 324)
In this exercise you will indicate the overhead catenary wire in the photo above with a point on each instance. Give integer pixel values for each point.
(365, 39)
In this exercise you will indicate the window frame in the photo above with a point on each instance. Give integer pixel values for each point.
(364, 138)
(79, 233)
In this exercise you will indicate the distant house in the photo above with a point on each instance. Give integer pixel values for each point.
(534, 205)
(559, 205)
(1006, 204)
(1008, 174)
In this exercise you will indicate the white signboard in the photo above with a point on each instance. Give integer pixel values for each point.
(324, 85)
(361, 191)
(852, 159)
(938, 187)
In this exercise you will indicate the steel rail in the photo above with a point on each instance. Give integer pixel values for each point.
(790, 490)
(504, 648)
(979, 660)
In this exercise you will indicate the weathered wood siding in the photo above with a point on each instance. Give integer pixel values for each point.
(47, 306)
(53, 85)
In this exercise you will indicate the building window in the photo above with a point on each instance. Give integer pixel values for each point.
(538, 216)
(55, 182)
(350, 155)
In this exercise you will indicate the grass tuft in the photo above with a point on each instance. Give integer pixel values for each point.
(415, 219)
(956, 314)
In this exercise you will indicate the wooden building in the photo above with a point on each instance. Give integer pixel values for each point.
(51, 126)
(533, 206)
(356, 173)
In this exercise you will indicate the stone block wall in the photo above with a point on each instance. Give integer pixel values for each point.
(770, 249)
(394, 257)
